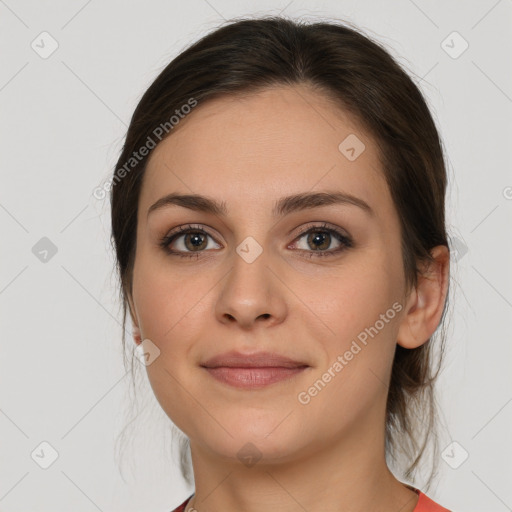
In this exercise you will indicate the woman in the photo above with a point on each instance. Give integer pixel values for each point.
(279, 226)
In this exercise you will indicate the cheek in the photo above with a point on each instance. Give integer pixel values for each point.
(354, 296)
(363, 315)
(165, 298)
(361, 308)
(169, 307)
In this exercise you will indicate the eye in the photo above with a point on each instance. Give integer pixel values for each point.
(187, 240)
(320, 238)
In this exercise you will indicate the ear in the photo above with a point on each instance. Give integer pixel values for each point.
(426, 302)
(135, 325)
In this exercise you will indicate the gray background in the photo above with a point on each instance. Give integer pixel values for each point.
(63, 118)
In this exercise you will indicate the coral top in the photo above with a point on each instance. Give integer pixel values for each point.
(425, 504)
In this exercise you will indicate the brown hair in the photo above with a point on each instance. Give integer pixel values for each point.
(248, 55)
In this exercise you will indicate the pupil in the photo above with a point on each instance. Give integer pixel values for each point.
(195, 240)
(320, 238)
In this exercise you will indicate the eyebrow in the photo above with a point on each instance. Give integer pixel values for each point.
(282, 207)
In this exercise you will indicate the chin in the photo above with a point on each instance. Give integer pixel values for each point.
(263, 439)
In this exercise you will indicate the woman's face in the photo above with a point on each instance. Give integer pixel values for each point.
(254, 282)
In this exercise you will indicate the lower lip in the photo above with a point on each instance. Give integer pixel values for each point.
(253, 378)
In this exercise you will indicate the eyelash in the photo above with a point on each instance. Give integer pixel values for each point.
(324, 228)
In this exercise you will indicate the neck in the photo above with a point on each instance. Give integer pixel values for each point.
(349, 475)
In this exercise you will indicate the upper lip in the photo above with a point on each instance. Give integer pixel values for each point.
(236, 359)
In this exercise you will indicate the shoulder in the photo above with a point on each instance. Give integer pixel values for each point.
(181, 508)
(425, 504)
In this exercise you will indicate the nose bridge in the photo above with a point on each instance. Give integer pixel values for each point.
(250, 273)
(249, 290)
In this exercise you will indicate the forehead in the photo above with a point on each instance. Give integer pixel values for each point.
(279, 141)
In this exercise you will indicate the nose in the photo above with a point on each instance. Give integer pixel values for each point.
(251, 295)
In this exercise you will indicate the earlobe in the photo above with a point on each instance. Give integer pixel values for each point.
(136, 335)
(408, 331)
(135, 326)
(426, 302)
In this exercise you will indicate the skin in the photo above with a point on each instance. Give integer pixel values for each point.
(327, 455)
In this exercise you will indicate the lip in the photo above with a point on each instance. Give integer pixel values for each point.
(236, 359)
(252, 371)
